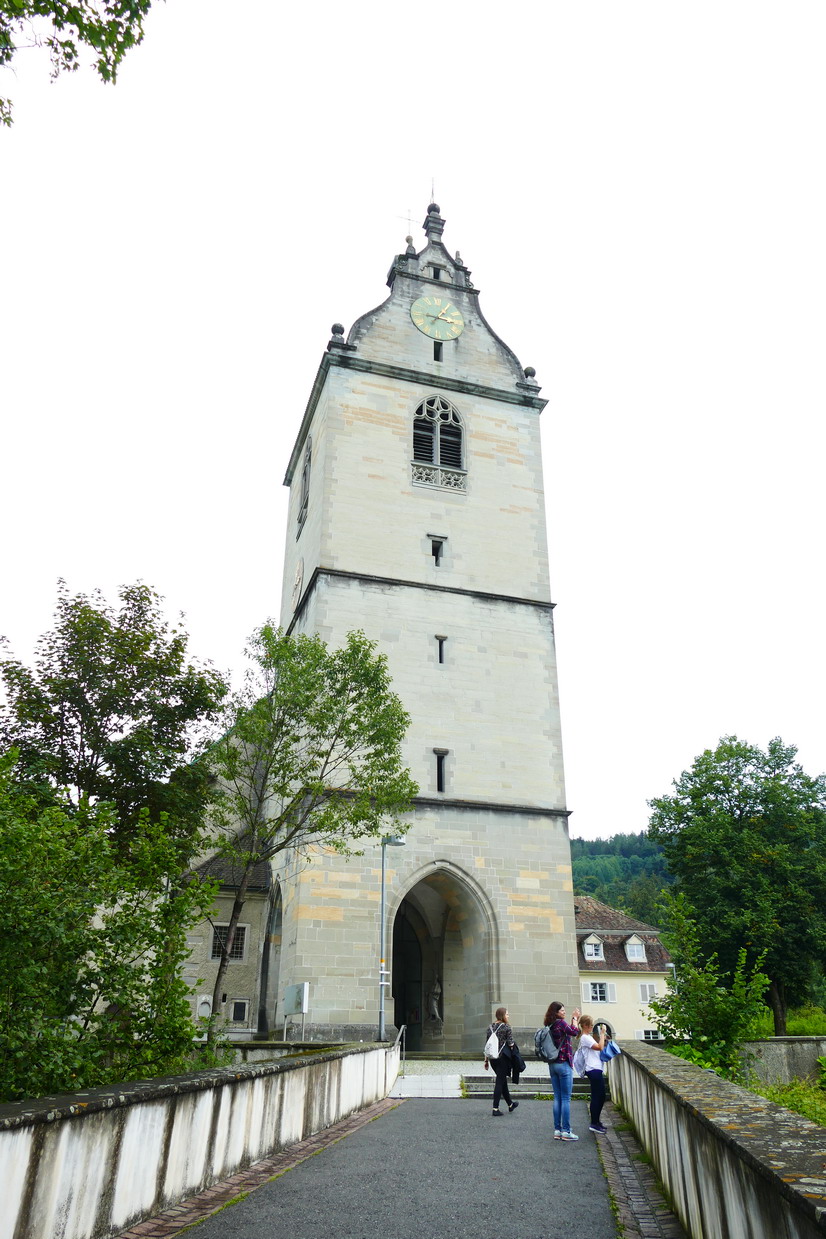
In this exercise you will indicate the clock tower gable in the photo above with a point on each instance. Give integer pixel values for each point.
(432, 324)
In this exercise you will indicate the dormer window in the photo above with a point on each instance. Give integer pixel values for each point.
(592, 948)
(436, 272)
(635, 950)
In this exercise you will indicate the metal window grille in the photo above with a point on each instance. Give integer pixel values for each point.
(239, 941)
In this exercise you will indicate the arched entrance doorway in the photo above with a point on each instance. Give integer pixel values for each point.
(445, 962)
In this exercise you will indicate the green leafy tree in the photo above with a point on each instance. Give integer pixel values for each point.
(311, 756)
(106, 28)
(91, 947)
(627, 871)
(745, 834)
(705, 1013)
(113, 711)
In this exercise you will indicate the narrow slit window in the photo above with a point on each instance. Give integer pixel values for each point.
(440, 755)
(437, 272)
(305, 485)
(436, 549)
(437, 350)
(441, 644)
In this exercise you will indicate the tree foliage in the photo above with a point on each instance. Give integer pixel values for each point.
(705, 1013)
(745, 834)
(112, 711)
(311, 756)
(91, 947)
(627, 871)
(107, 28)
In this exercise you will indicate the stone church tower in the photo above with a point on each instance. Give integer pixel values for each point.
(417, 514)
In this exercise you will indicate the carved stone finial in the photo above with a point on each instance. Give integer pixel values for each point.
(530, 373)
(411, 249)
(433, 224)
(337, 329)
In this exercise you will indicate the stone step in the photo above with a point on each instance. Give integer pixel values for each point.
(528, 1087)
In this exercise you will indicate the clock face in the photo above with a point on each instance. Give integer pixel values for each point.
(437, 317)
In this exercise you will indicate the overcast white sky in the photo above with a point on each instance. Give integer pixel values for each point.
(640, 191)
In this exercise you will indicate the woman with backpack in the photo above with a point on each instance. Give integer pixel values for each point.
(501, 1062)
(562, 1068)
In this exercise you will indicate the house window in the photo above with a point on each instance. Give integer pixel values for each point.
(599, 991)
(239, 942)
(240, 1009)
(648, 990)
(593, 950)
(635, 952)
(438, 445)
(305, 485)
(647, 1034)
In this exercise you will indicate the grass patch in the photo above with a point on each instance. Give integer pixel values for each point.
(800, 1096)
(808, 1021)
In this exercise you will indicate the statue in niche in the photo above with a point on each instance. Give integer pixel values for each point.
(433, 997)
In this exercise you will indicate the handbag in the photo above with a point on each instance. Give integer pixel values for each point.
(492, 1044)
(611, 1051)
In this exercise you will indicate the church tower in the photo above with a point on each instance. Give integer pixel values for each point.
(417, 514)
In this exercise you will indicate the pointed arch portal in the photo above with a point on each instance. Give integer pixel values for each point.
(445, 955)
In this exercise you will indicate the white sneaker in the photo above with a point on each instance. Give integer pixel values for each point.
(569, 1135)
(557, 1134)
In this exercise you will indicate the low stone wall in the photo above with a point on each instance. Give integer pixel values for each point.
(88, 1165)
(734, 1165)
(779, 1060)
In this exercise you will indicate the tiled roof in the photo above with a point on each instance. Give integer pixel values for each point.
(592, 916)
(229, 873)
(614, 928)
(656, 957)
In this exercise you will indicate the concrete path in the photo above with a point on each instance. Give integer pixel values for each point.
(436, 1166)
(425, 1161)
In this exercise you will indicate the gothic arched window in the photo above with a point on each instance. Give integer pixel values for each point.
(305, 484)
(438, 441)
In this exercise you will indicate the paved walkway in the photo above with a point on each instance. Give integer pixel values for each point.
(436, 1163)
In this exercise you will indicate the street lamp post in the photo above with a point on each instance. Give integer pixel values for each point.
(392, 841)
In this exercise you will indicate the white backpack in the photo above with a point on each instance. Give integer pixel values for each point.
(492, 1044)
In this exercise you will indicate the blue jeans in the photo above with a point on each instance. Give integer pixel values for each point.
(562, 1079)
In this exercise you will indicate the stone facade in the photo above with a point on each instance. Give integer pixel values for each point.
(243, 1000)
(444, 563)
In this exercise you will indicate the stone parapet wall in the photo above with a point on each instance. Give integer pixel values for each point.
(734, 1165)
(88, 1165)
(779, 1060)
